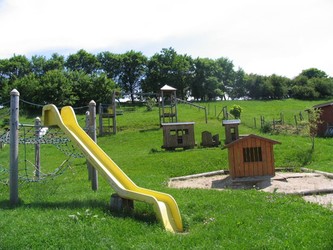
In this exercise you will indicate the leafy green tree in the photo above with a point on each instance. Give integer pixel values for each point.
(133, 70)
(110, 64)
(323, 86)
(279, 84)
(102, 88)
(28, 87)
(38, 65)
(255, 85)
(204, 69)
(82, 87)
(238, 88)
(167, 67)
(14, 67)
(84, 61)
(225, 73)
(56, 61)
(313, 73)
(56, 88)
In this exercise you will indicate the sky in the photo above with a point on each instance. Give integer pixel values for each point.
(263, 37)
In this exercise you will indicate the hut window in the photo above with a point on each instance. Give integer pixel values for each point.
(173, 132)
(252, 154)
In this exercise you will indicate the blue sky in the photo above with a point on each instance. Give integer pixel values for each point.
(261, 36)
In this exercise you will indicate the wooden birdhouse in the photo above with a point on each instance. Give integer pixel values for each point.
(231, 130)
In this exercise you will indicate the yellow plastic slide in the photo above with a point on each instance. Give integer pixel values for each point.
(164, 204)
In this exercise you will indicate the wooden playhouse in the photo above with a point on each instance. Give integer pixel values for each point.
(178, 135)
(250, 156)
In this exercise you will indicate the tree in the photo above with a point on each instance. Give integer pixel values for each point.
(133, 69)
(56, 88)
(313, 122)
(110, 64)
(323, 86)
(14, 68)
(279, 85)
(225, 73)
(84, 61)
(238, 88)
(255, 85)
(167, 67)
(56, 61)
(313, 73)
(204, 68)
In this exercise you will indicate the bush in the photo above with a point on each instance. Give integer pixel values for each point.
(236, 111)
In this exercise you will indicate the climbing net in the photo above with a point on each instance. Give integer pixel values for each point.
(37, 157)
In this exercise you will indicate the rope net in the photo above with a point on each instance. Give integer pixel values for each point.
(49, 163)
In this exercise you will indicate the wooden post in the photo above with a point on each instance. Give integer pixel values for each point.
(92, 134)
(37, 147)
(89, 167)
(14, 143)
(114, 120)
(100, 113)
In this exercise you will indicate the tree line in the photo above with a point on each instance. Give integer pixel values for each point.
(81, 77)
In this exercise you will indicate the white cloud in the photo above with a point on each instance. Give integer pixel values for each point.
(260, 36)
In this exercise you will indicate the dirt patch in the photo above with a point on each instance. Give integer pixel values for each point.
(314, 187)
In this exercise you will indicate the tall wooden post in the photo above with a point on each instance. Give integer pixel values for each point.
(92, 134)
(114, 120)
(14, 143)
(37, 147)
(87, 126)
(100, 114)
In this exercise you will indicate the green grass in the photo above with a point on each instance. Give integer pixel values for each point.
(62, 212)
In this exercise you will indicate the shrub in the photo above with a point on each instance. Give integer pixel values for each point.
(236, 111)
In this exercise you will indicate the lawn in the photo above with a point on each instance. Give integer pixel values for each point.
(62, 212)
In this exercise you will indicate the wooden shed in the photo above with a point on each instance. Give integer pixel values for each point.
(178, 135)
(325, 126)
(251, 156)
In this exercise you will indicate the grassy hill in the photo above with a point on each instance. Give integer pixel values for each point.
(62, 212)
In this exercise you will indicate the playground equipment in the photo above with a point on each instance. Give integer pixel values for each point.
(178, 135)
(209, 140)
(164, 204)
(168, 105)
(108, 112)
(251, 157)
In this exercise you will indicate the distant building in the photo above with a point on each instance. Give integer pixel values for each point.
(325, 126)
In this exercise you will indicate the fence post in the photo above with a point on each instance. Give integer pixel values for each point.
(100, 114)
(87, 126)
(14, 141)
(92, 134)
(37, 147)
(114, 120)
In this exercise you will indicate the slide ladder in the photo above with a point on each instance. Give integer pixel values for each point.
(164, 204)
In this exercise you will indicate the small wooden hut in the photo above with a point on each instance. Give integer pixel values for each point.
(251, 156)
(325, 126)
(178, 135)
